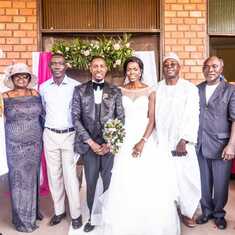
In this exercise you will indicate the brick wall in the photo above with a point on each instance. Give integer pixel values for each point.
(185, 33)
(18, 31)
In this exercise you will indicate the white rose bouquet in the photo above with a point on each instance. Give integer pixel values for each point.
(114, 134)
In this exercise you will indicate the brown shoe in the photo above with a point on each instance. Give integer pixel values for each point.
(191, 223)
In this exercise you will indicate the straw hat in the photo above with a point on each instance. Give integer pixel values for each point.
(18, 68)
(171, 55)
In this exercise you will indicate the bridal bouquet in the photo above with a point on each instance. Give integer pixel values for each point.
(114, 134)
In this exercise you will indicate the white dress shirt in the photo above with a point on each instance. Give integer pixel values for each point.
(57, 100)
(209, 91)
(98, 93)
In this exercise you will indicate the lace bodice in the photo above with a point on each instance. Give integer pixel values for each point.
(134, 94)
(136, 104)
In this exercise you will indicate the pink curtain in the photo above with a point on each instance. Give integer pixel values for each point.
(44, 74)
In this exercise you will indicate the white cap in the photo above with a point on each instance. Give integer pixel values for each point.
(171, 55)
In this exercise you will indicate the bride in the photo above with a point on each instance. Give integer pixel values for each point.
(142, 193)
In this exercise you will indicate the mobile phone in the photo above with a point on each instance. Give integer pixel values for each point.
(174, 154)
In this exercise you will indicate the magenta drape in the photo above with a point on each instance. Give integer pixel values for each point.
(44, 74)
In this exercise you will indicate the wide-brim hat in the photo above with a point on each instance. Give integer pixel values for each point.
(16, 69)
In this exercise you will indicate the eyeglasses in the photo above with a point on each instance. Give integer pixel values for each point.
(21, 76)
(172, 64)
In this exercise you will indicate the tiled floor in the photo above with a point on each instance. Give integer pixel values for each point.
(64, 227)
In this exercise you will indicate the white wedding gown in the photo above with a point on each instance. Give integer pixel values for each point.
(142, 193)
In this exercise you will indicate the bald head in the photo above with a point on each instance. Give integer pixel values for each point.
(214, 58)
(212, 69)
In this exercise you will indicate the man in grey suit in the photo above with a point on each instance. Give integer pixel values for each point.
(94, 103)
(216, 141)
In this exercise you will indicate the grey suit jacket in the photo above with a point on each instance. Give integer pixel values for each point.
(215, 119)
(83, 111)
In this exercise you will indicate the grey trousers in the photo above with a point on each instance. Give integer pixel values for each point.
(215, 175)
(93, 166)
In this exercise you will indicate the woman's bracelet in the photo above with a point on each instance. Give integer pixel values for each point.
(144, 139)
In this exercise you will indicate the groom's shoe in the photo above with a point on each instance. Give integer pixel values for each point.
(88, 227)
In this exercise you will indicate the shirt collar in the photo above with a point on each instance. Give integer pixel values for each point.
(64, 82)
(102, 81)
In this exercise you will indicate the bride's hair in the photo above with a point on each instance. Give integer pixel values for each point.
(135, 60)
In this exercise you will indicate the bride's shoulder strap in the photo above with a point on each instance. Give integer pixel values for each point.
(151, 90)
(122, 89)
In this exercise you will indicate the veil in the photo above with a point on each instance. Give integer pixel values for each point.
(150, 74)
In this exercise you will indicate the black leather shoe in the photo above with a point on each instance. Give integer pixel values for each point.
(88, 227)
(56, 219)
(202, 219)
(77, 223)
(39, 216)
(221, 223)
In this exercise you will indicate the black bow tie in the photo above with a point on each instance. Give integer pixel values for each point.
(96, 85)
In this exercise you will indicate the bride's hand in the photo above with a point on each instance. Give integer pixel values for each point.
(138, 148)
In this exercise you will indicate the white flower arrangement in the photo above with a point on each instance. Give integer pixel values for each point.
(114, 134)
(78, 53)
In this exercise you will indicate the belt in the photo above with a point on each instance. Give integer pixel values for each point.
(61, 131)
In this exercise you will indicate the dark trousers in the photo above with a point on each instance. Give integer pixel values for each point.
(215, 175)
(93, 166)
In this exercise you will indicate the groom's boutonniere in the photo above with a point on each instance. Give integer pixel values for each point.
(105, 96)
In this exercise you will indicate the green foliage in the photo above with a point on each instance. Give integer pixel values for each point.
(78, 53)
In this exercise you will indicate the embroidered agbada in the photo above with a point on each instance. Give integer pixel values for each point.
(177, 117)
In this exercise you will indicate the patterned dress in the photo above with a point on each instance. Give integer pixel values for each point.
(23, 147)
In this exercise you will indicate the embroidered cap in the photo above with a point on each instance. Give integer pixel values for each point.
(171, 55)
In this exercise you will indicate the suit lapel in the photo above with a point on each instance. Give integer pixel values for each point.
(105, 100)
(203, 94)
(90, 100)
(218, 91)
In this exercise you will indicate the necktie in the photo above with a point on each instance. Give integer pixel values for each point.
(96, 85)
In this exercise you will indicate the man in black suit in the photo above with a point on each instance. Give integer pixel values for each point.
(94, 103)
(216, 141)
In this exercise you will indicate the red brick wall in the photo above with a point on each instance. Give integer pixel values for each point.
(18, 31)
(184, 24)
(185, 32)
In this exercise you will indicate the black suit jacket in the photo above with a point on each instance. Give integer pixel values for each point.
(215, 119)
(83, 111)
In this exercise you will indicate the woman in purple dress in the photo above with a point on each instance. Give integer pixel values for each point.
(23, 109)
